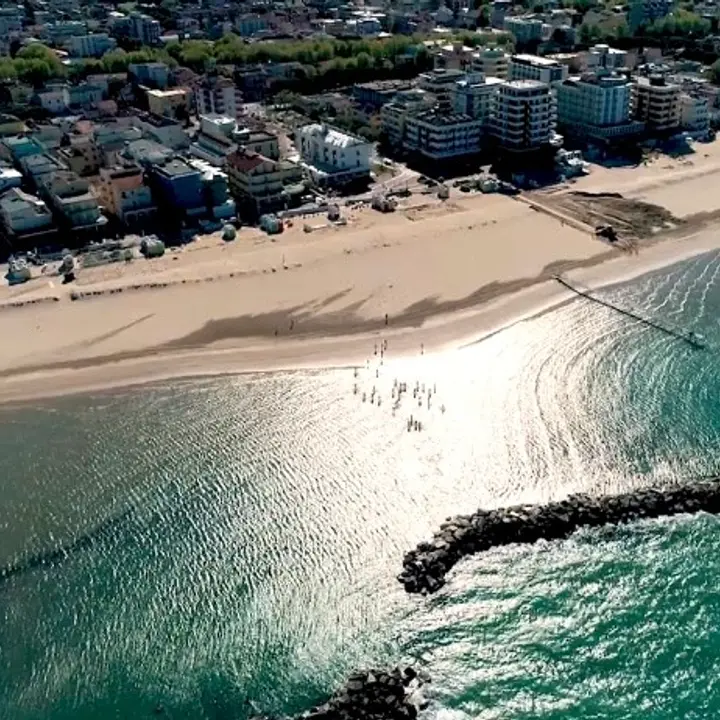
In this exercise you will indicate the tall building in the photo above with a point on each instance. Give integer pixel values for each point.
(394, 115)
(491, 62)
(598, 107)
(524, 30)
(475, 96)
(144, 28)
(603, 56)
(441, 136)
(657, 103)
(441, 84)
(178, 188)
(534, 67)
(217, 95)
(694, 114)
(500, 8)
(524, 117)
(153, 74)
(94, 45)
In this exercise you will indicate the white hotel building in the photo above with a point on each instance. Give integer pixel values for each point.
(596, 106)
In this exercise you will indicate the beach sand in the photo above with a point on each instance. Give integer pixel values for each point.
(443, 273)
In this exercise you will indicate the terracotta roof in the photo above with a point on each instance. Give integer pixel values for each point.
(245, 161)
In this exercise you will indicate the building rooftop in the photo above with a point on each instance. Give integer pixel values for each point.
(534, 60)
(444, 119)
(245, 161)
(331, 136)
(525, 84)
(174, 92)
(176, 168)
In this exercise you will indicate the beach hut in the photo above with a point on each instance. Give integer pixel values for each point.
(18, 272)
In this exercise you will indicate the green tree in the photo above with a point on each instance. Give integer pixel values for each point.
(715, 73)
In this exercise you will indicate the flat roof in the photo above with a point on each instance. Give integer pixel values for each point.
(166, 93)
(535, 59)
(176, 167)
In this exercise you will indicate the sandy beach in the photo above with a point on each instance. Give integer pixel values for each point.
(444, 274)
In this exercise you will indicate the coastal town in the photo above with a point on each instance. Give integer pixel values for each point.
(317, 170)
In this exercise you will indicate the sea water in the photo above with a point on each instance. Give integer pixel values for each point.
(231, 545)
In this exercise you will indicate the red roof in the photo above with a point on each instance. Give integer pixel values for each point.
(245, 162)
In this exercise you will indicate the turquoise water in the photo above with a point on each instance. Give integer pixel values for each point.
(243, 534)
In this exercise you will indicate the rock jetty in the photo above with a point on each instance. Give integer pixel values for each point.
(372, 695)
(425, 567)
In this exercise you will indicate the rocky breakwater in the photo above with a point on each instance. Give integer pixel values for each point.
(373, 695)
(425, 567)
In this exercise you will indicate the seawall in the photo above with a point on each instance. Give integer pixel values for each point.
(425, 567)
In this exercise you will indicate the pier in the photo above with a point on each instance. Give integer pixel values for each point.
(689, 338)
(425, 568)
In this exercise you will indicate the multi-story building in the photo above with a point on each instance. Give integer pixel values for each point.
(534, 67)
(83, 95)
(144, 29)
(40, 167)
(440, 84)
(95, 45)
(215, 189)
(376, 94)
(475, 96)
(261, 184)
(164, 130)
(332, 156)
(260, 141)
(596, 106)
(123, 193)
(524, 116)
(19, 146)
(179, 188)
(440, 136)
(82, 156)
(394, 115)
(524, 30)
(491, 62)
(657, 103)
(23, 214)
(500, 9)
(251, 24)
(168, 102)
(152, 74)
(217, 95)
(53, 99)
(603, 56)
(694, 114)
(73, 200)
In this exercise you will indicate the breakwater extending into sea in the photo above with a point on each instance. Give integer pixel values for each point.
(425, 568)
(256, 569)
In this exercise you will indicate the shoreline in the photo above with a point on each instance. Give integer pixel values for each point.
(438, 332)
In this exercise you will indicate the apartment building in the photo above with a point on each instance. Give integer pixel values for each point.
(73, 200)
(475, 96)
(440, 136)
(261, 184)
(123, 193)
(218, 95)
(694, 113)
(168, 102)
(525, 30)
(164, 130)
(178, 187)
(144, 29)
(491, 62)
(657, 103)
(394, 115)
(440, 84)
(23, 214)
(603, 56)
(153, 74)
(534, 67)
(332, 156)
(525, 115)
(94, 45)
(596, 107)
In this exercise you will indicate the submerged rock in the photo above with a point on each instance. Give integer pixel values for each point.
(425, 567)
(372, 695)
